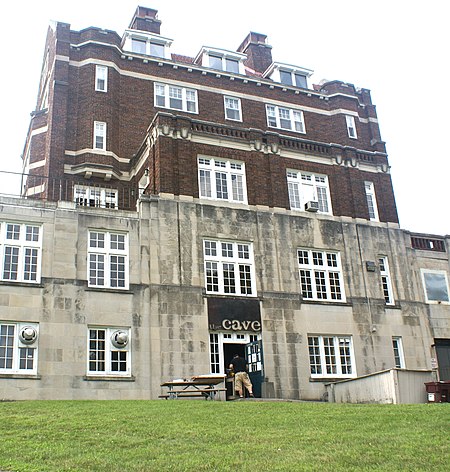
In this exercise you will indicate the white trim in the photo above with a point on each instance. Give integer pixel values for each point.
(436, 272)
(256, 98)
(36, 165)
(96, 151)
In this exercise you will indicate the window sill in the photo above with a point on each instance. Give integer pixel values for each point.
(110, 290)
(330, 379)
(20, 376)
(109, 378)
(326, 302)
(22, 284)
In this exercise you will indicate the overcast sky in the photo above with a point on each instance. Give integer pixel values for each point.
(396, 48)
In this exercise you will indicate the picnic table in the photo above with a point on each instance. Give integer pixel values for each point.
(205, 386)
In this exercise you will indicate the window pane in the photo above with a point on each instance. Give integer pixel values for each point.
(97, 349)
(30, 264)
(156, 49)
(285, 77)
(205, 183)
(314, 355)
(11, 263)
(215, 62)
(212, 276)
(138, 46)
(229, 283)
(300, 81)
(97, 269)
(237, 187)
(232, 65)
(221, 185)
(436, 286)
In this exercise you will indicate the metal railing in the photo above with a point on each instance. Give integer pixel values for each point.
(98, 194)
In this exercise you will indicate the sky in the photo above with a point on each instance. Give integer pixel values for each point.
(398, 49)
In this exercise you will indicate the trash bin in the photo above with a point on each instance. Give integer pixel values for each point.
(438, 392)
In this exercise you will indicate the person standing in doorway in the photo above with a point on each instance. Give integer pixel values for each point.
(241, 378)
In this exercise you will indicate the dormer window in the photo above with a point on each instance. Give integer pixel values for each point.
(288, 75)
(150, 44)
(221, 59)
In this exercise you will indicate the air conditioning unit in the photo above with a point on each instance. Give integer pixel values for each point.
(312, 206)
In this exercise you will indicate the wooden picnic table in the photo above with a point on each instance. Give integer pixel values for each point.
(197, 386)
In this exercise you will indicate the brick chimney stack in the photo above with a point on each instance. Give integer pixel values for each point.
(146, 19)
(259, 53)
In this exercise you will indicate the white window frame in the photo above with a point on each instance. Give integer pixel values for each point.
(229, 268)
(443, 275)
(386, 284)
(187, 96)
(101, 78)
(232, 105)
(279, 116)
(399, 356)
(99, 132)
(326, 356)
(20, 252)
(107, 261)
(371, 201)
(222, 180)
(104, 355)
(20, 355)
(320, 274)
(351, 126)
(304, 187)
(98, 197)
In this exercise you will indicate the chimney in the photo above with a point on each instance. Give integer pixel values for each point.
(259, 54)
(146, 19)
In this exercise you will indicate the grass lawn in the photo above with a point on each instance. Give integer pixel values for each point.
(190, 435)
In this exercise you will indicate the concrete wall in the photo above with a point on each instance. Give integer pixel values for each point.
(389, 386)
(166, 305)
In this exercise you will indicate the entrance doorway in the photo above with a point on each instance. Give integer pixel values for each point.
(223, 347)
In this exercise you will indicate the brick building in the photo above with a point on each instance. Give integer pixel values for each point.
(180, 209)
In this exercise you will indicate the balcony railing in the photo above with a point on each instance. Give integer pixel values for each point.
(428, 244)
(117, 195)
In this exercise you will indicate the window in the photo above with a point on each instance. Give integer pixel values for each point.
(157, 49)
(232, 108)
(229, 268)
(320, 275)
(101, 78)
(176, 98)
(20, 252)
(436, 285)
(18, 348)
(371, 201)
(227, 64)
(351, 127)
(108, 351)
(95, 196)
(138, 46)
(108, 260)
(304, 187)
(331, 356)
(100, 135)
(285, 118)
(222, 180)
(386, 280)
(293, 78)
(399, 358)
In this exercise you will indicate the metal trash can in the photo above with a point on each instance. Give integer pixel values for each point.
(438, 392)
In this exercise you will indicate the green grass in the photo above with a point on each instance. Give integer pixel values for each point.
(186, 435)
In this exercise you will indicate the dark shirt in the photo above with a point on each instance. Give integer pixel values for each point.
(239, 364)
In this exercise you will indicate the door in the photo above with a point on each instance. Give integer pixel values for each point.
(443, 357)
(254, 357)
